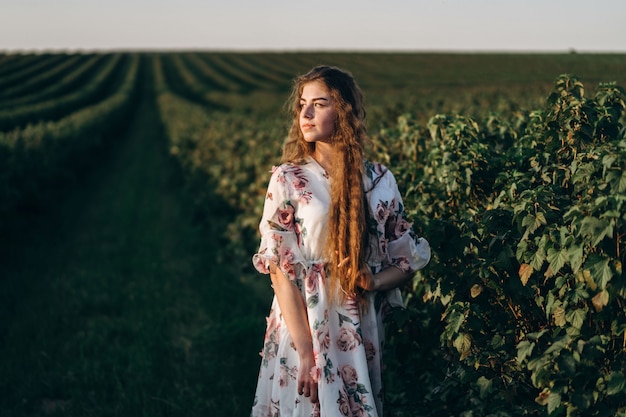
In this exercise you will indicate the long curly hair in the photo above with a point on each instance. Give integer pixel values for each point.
(347, 232)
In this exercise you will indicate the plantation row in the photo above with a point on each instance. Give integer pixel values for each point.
(55, 131)
(518, 183)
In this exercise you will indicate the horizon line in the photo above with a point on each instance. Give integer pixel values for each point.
(310, 50)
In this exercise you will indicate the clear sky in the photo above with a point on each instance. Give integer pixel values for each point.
(421, 25)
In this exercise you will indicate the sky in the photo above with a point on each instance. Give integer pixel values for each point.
(280, 25)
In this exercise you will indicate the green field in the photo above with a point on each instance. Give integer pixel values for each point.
(131, 185)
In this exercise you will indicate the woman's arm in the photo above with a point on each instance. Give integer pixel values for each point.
(390, 278)
(293, 309)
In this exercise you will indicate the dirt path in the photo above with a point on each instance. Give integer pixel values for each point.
(113, 302)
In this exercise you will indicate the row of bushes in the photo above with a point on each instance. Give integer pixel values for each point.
(526, 291)
(45, 87)
(55, 108)
(33, 156)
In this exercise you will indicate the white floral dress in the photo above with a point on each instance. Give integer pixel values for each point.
(347, 345)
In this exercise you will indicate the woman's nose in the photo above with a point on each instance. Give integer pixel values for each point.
(307, 111)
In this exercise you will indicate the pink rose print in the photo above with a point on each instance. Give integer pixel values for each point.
(349, 376)
(348, 339)
(286, 373)
(370, 350)
(316, 373)
(344, 404)
(402, 263)
(392, 205)
(382, 211)
(285, 217)
(273, 324)
(287, 260)
(281, 177)
(277, 238)
(315, 278)
(298, 183)
(305, 197)
(300, 180)
(356, 408)
(323, 336)
(401, 227)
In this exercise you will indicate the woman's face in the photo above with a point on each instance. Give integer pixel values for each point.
(317, 112)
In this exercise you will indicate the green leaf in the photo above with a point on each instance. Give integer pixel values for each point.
(616, 384)
(595, 229)
(550, 304)
(600, 300)
(536, 335)
(541, 370)
(554, 402)
(600, 270)
(558, 345)
(484, 386)
(557, 258)
(361, 389)
(575, 257)
(497, 341)
(538, 259)
(524, 350)
(312, 301)
(343, 318)
(567, 364)
(620, 186)
(463, 343)
(576, 318)
(532, 223)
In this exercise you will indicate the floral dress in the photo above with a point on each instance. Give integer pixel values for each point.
(347, 344)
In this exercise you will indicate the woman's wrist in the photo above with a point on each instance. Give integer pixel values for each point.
(305, 351)
(375, 283)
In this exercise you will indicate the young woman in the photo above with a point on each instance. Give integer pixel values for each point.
(337, 245)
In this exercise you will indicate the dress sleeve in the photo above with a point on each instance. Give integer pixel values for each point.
(406, 250)
(279, 237)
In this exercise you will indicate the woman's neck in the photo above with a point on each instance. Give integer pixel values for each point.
(323, 154)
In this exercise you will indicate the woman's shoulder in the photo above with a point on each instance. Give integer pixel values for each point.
(287, 168)
(289, 173)
(376, 172)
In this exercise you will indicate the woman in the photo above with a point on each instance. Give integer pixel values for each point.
(337, 245)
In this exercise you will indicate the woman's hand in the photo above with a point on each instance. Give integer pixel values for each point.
(307, 377)
(366, 279)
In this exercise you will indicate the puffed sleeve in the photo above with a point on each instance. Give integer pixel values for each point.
(279, 238)
(406, 250)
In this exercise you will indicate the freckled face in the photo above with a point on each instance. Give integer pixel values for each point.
(317, 112)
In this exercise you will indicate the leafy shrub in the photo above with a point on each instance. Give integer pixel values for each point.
(526, 218)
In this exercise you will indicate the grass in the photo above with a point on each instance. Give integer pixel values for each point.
(113, 302)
